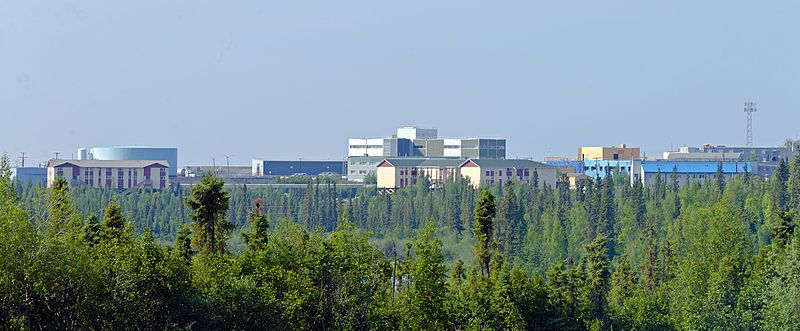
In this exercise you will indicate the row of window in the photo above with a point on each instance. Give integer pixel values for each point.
(89, 174)
(500, 181)
(508, 173)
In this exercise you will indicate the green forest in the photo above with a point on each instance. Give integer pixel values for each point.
(607, 255)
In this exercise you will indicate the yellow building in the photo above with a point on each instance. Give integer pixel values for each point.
(622, 152)
(118, 174)
(401, 172)
(486, 171)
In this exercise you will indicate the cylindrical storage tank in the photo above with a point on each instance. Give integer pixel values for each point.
(170, 154)
(83, 154)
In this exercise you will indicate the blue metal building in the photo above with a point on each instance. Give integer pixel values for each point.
(688, 171)
(288, 168)
(34, 175)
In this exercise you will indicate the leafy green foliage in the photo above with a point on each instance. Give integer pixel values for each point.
(609, 255)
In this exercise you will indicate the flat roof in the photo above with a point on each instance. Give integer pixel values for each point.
(424, 162)
(107, 163)
(508, 163)
(133, 146)
(695, 166)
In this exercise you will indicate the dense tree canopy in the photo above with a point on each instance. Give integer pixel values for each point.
(607, 255)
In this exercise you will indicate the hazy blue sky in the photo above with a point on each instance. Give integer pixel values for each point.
(289, 79)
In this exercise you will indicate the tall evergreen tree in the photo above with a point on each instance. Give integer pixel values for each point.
(609, 218)
(720, 178)
(62, 215)
(675, 188)
(113, 227)
(483, 228)
(208, 203)
(183, 244)
(256, 238)
(508, 224)
(780, 197)
(597, 282)
(793, 185)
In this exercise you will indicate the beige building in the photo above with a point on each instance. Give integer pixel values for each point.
(402, 172)
(122, 174)
(622, 152)
(486, 171)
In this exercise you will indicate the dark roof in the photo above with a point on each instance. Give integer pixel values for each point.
(424, 162)
(108, 163)
(508, 163)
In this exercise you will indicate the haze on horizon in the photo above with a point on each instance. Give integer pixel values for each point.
(288, 80)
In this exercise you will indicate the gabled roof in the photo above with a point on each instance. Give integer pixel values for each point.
(506, 163)
(108, 163)
(423, 162)
(694, 167)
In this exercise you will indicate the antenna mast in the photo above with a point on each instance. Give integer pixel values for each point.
(750, 108)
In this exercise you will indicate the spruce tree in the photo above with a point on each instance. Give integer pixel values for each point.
(720, 177)
(793, 185)
(113, 224)
(484, 229)
(209, 204)
(62, 215)
(92, 230)
(597, 282)
(780, 197)
(675, 188)
(183, 244)
(256, 238)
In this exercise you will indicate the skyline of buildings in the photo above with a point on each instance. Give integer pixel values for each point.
(411, 143)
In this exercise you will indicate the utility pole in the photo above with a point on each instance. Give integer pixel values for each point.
(213, 166)
(228, 164)
(750, 108)
(56, 153)
(23, 157)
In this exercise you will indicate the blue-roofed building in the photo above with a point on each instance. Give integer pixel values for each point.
(568, 166)
(687, 171)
